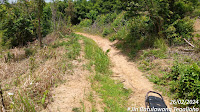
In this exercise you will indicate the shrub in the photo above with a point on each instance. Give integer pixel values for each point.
(112, 38)
(122, 33)
(185, 80)
(86, 23)
(182, 28)
(119, 21)
(139, 29)
(160, 43)
(105, 19)
(92, 15)
(106, 31)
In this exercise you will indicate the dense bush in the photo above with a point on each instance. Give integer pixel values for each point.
(86, 23)
(106, 31)
(18, 23)
(105, 19)
(17, 32)
(185, 81)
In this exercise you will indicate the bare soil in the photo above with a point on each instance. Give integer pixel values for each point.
(126, 70)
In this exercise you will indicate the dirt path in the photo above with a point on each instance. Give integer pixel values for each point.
(126, 71)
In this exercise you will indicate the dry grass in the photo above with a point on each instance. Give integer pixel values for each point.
(30, 78)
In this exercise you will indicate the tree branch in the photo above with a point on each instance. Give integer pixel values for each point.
(188, 42)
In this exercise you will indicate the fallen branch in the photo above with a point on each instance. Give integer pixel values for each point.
(2, 102)
(115, 30)
(188, 42)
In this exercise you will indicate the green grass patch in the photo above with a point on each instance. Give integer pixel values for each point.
(94, 53)
(114, 95)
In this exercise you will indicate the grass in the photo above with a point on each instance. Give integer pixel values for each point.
(31, 78)
(114, 95)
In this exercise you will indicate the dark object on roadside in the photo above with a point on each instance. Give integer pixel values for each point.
(155, 104)
(1, 100)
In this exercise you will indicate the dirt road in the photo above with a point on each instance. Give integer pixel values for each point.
(126, 71)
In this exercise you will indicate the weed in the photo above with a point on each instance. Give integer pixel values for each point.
(29, 52)
(75, 109)
(44, 97)
(9, 56)
(28, 106)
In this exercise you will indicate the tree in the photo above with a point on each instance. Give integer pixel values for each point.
(70, 10)
(39, 10)
(54, 13)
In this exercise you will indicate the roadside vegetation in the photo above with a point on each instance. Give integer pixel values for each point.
(28, 73)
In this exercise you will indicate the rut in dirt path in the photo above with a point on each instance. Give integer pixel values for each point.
(126, 71)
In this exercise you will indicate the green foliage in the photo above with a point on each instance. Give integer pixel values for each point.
(44, 97)
(73, 46)
(105, 19)
(46, 20)
(119, 20)
(76, 109)
(92, 15)
(17, 32)
(139, 29)
(161, 44)
(155, 79)
(106, 32)
(86, 23)
(187, 78)
(183, 81)
(113, 95)
(182, 28)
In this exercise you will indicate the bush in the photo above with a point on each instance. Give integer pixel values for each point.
(106, 31)
(86, 23)
(122, 32)
(105, 19)
(17, 32)
(186, 80)
(92, 15)
(182, 28)
(160, 43)
(139, 29)
(119, 21)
